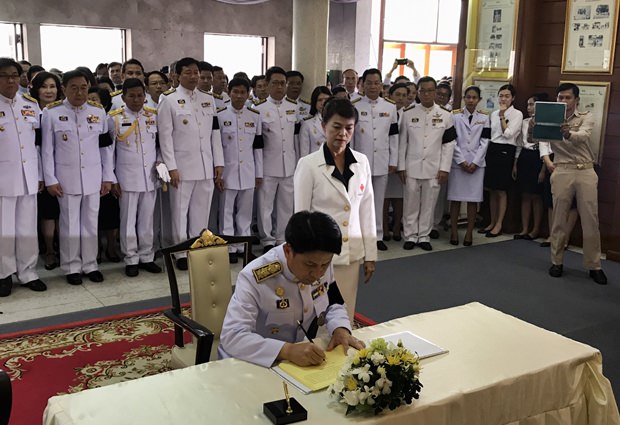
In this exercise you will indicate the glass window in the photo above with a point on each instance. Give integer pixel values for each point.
(235, 53)
(11, 41)
(449, 21)
(440, 63)
(89, 46)
(428, 21)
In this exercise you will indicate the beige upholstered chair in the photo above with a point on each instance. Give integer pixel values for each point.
(210, 292)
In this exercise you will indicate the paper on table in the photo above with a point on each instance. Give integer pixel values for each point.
(313, 378)
(414, 343)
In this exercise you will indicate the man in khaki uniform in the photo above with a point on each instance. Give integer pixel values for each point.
(573, 176)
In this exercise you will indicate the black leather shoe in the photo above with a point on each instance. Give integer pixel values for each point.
(598, 276)
(267, 248)
(182, 263)
(6, 285)
(397, 238)
(426, 246)
(150, 267)
(518, 236)
(74, 279)
(232, 258)
(434, 234)
(381, 246)
(387, 237)
(556, 270)
(467, 243)
(492, 235)
(131, 270)
(36, 285)
(95, 276)
(454, 241)
(409, 245)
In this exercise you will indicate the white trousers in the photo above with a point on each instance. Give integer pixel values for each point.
(441, 206)
(420, 197)
(379, 185)
(236, 214)
(190, 204)
(136, 232)
(348, 278)
(19, 246)
(274, 193)
(77, 232)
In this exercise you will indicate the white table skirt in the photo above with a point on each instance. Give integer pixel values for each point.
(500, 370)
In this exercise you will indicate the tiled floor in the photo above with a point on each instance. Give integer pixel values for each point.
(60, 297)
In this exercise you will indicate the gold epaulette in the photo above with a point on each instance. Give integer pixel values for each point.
(149, 109)
(390, 100)
(95, 104)
(223, 108)
(482, 112)
(306, 101)
(116, 93)
(445, 109)
(457, 111)
(54, 104)
(217, 96)
(30, 98)
(172, 90)
(357, 99)
(268, 270)
(253, 110)
(409, 107)
(309, 117)
(116, 112)
(205, 92)
(260, 102)
(291, 100)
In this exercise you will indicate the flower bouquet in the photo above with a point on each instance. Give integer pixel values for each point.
(381, 376)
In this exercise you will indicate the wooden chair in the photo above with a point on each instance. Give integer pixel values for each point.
(210, 292)
(6, 398)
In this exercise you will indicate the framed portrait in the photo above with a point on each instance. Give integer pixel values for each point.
(488, 93)
(594, 97)
(497, 20)
(590, 36)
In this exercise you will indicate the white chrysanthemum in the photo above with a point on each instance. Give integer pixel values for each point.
(337, 386)
(351, 397)
(377, 358)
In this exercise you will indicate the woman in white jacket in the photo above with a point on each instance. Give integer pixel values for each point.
(337, 180)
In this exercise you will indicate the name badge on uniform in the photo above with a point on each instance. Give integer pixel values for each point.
(318, 292)
(249, 125)
(363, 113)
(415, 119)
(63, 118)
(437, 120)
(205, 104)
(384, 114)
(181, 101)
(227, 123)
(290, 112)
(282, 304)
(92, 119)
(125, 124)
(480, 123)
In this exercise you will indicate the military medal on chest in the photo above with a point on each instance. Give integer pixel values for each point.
(282, 303)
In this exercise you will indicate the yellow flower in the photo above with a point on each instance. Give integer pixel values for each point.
(351, 383)
(393, 360)
(362, 353)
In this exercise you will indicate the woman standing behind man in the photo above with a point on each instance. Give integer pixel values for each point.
(337, 180)
(311, 135)
(505, 130)
(466, 179)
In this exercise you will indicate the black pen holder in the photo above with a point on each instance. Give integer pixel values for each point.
(276, 412)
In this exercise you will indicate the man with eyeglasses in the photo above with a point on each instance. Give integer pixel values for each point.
(376, 136)
(20, 180)
(426, 146)
(156, 85)
(191, 148)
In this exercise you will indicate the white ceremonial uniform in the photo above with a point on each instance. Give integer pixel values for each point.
(352, 207)
(117, 100)
(190, 142)
(150, 102)
(303, 108)
(221, 100)
(311, 135)
(279, 118)
(376, 136)
(473, 132)
(134, 136)
(19, 182)
(267, 302)
(427, 139)
(71, 157)
(241, 142)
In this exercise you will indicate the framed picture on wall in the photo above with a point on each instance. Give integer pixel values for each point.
(497, 20)
(594, 97)
(590, 36)
(488, 92)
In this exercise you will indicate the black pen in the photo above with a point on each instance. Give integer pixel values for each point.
(304, 331)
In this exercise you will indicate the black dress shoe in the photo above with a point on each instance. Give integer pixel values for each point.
(381, 246)
(95, 276)
(387, 237)
(36, 285)
(131, 270)
(150, 267)
(517, 237)
(454, 241)
(426, 246)
(556, 270)
(267, 248)
(598, 276)
(434, 234)
(409, 245)
(467, 243)
(74, 279)
(6, 285)
(397, 238)
(492, 235)
(545, 244)
(232, 258)
(182, 263)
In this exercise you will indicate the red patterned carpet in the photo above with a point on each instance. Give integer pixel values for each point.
(79, 356)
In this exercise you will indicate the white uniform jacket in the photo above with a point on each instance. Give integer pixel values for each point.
(279, 120)
(472, 138)
(376, 133)
(242, 141)
(427, 139)
(353, 209)
(311, 135)
(70, 148)
(19, 162)
(135, 137)
(268, 300)
(189, 133)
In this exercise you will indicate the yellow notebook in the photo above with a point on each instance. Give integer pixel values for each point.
(313, 378)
